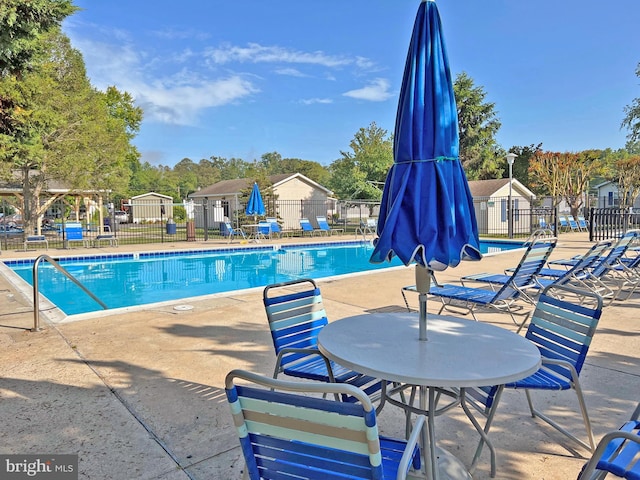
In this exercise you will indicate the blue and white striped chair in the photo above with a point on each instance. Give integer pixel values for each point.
(617, 453)
(296, 315)
(562, 327)
(463, 299)
(291, 435)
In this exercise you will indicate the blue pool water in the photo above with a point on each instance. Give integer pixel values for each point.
(126, 280)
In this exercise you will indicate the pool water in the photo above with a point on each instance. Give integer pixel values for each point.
(127, 280)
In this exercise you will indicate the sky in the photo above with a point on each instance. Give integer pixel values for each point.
(241, 78)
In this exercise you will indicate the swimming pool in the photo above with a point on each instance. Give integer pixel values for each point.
(126, 280)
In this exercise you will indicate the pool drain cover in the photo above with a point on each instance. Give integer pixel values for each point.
(183, 308)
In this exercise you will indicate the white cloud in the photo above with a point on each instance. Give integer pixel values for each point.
(181, 104)
(311, 101)
(256, 53)
(292, 72)
(175, 98)
(376, 91)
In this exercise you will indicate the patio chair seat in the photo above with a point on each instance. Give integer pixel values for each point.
(463, 293)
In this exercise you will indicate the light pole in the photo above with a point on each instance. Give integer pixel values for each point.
(510, 158)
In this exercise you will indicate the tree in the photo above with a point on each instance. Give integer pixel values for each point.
(632, 119)
(274, 164)
(521, 164)
(565, 175)
(478, 126)
(22, 23)
(628, 179)
(361, 173)
(62, 129)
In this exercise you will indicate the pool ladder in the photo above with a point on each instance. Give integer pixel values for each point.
(36, 288)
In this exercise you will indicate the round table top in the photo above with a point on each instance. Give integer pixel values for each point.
(457, 352)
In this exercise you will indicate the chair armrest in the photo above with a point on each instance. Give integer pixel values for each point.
(407, 455)
(611, 442)
(562, 363)
(308, 351)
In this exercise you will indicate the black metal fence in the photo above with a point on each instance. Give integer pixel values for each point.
(605, 223)
(200, 221)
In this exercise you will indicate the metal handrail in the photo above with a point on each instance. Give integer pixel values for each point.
(36, 289)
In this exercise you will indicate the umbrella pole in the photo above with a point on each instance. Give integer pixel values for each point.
(423, 283)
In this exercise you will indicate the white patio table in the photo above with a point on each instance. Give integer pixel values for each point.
(457, 353)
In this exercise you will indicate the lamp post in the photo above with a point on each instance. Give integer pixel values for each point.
(510, 158)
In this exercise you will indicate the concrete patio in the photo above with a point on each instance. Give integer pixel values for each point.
(140, 394)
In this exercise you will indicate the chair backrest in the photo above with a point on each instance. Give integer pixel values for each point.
(227, 229)
(533, 260)
(615, 254)
(73, 231)
(296, 315)
(305, 224)
(275, 226)
(322, 223)
(582, 223)
(572, 222)
(562, 329)
(264, 228)
(586, 263)
(289, 435)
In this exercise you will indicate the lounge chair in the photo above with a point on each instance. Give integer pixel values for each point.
(263, 230)
(605, 278)
(306, 227)
(36, 240)
(367, 228)
(231, 232)
(74, 234)
(564, 224)
(497, 280)
(323, 226)
(618, 453)
(464, 299)
(296, 315)
(573, 225)
(577, 274)
(582, 224)
(275, 227)
(286, 433)
(106, 236)
(562, 327)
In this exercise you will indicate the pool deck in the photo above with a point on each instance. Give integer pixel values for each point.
(140, 394)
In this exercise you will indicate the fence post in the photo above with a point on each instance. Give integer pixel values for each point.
(205, 218)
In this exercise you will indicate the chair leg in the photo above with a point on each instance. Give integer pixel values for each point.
(591, 446)
(484, 432)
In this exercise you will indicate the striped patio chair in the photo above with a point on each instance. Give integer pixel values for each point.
(287, 433)
(463, 299)
(296, 315)
(562, 327)
(617, 453)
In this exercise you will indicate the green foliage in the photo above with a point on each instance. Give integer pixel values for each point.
(632, 119)
(520, 166)
(62, 129)
(179, 213)
(22, 23)
(361, 173)
(478, 126)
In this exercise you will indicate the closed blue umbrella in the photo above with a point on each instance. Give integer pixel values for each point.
(426, 214)
(255, 205)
